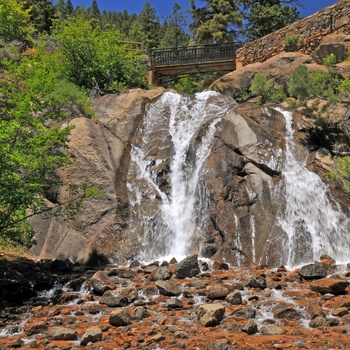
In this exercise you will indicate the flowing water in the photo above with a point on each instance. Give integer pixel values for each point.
(165, 184)
(313, 221)
(169, 199)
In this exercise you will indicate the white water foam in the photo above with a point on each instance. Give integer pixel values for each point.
(313, 222)
(170, 225)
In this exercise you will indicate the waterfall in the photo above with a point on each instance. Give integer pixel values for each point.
(165, 180)
(312, 221)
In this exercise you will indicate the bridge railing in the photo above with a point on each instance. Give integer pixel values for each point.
(203, 53)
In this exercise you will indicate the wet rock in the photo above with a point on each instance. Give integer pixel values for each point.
(271, 329)
(101, 282)
(210, 315)
(234, 298)
(17, 344)
(197, 283)
(141, 313)
(114, 301)
(188, 267)
(91, 335)
(250, 327)
(246, 312)
(174, 304)
(217, 292)
(96, 308)
(322, 321)
(257, 282)
(162, 273)
(340, 311)
(329, 285)
(40, 327)
(122, 273)
(181, 335)
(61, 333)
(314, 271)
(62, 265)
(120, 318)
(286, 311)
(168, 288)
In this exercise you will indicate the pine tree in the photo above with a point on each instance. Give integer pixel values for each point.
(61, 9)
(266, 16)
(216, 22)
(69, 6)
(94, 11)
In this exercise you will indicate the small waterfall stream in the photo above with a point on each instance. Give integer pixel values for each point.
(167, 195)
(313, 221)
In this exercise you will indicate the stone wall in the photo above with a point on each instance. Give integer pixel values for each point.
(307, 34)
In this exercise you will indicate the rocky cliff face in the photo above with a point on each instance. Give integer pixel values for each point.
(243, 177)
(101, 150)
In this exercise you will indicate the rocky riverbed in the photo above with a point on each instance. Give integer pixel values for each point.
(191, 304)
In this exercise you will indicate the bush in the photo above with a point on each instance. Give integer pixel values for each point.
(299, 84)
(263, 86)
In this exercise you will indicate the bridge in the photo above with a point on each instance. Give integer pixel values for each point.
(191, 59)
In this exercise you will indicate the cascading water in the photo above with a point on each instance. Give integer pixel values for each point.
(165, 186)
(312, 220)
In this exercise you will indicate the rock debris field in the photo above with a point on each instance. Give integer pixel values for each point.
(191, 304)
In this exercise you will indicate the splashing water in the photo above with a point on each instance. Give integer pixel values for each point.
(165, 176)
(312, 220)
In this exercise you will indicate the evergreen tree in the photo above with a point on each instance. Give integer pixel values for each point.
(146, 28)
(42, 13)
(94, 11)
(266, 16)
(61, 9)
(172, 33)
(70, 7)
(216, 22)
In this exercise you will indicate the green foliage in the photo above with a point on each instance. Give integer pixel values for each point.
(216, 22)
(188, 84)
(263, 86)
(290, 41)
(342, 172)
(146, 28)
(173, 34)
(265, 17)
(14, 21)
(35, 98)
(97, 59)
(41, 13)
(320, 83)
(299, 84)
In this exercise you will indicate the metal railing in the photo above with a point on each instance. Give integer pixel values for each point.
(195, 54)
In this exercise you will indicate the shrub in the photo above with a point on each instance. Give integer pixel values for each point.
(263, 86)
(299, 84)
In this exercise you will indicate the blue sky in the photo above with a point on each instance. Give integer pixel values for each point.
(164, 7)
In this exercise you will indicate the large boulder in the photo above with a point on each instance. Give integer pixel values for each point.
(188, 267)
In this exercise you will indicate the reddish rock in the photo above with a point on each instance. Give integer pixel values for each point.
(329, 285)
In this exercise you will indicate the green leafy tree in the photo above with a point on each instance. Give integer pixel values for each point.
(97, 59)
(263, 17)
(14, 20)
(216, 22)
(35, 98)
